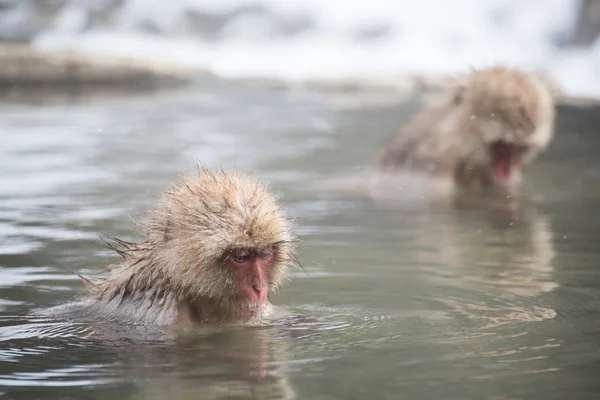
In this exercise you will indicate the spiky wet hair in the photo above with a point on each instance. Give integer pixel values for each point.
(189, 234)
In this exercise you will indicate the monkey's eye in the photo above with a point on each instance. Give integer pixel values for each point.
(241, 255)
(265, 253)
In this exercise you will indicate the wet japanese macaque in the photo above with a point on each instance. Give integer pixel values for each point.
(478, 134)
(216, 246)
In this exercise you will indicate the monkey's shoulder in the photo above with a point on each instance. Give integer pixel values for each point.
(422, 144)
(122, 311)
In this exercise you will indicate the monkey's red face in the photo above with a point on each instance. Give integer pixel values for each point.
(250, 271)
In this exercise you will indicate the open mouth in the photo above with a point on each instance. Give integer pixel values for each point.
(506, 159)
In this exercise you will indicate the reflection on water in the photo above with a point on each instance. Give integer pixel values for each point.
(229, 363)
(395, 300)
(511, 255)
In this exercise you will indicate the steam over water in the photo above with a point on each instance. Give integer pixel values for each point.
(300, 39)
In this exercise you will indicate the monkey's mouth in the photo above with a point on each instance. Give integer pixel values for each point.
(249, 310)
(505, 160)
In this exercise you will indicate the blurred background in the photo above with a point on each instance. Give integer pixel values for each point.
(315, 39)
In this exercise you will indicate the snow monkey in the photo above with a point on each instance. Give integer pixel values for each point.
(216, 245)
(480, 132)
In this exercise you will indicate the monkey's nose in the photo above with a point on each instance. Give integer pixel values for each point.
(258, 288)
(261, 290)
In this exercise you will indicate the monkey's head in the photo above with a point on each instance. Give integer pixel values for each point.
(510, 114)
(222, 237)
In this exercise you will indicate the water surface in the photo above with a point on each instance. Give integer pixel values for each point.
(393, 302)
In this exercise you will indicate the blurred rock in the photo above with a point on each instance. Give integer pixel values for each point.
(24, 67)
(408, 87)
(587, 28)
